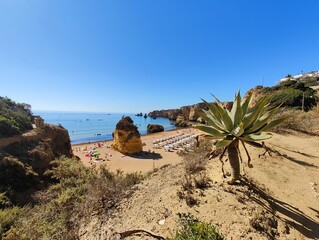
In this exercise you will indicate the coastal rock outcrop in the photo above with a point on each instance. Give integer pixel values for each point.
(170, 113)
(193, 113)
(127, 139)
(153, 128)
(190, 113)
(39, 147)
(181, 121)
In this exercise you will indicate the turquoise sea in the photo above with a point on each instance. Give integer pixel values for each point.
(90, 127)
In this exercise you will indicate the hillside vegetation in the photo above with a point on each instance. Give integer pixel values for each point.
(289, 94)
(75, 202)
(15, 118)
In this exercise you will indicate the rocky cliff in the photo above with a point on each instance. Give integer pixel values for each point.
(256, 93)
(24, 159)
(189, 113)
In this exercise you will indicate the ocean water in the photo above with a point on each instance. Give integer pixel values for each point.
(90, 127)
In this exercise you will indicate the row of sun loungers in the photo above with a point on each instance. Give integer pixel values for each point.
(176, 142)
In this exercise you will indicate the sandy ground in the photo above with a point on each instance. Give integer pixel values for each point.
(148, 161)
(277, 199)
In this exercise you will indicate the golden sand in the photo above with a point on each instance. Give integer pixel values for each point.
(147, 161)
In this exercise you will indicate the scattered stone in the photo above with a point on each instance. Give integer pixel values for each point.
(161, 222)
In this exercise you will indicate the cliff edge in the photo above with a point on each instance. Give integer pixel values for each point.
(25, 158)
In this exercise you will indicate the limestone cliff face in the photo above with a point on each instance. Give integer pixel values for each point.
(171, 114)
(193, 113)
(256, 94)
(185, 114)
(39, 147)
(188, 112)
(126, 138)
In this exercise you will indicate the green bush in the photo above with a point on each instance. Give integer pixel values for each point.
(193, 229)
(23, 121)
(75, 194)
(290, 94)
(8, 217)
(8, 127)
(16, 175)
(15, 118)
(311, 82)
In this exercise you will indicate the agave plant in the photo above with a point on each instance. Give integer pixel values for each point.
(242, 123)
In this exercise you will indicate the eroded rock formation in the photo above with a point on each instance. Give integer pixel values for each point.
(189, 113)
(127, 139)
(170, 113)
(193, 113)
(181, 121)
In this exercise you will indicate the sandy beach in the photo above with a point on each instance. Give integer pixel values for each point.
(147, 161)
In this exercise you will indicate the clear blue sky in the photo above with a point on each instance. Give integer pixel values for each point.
(142, 55)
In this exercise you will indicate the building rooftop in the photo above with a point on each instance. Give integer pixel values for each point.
(314, 75)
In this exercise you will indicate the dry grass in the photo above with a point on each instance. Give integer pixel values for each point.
(196, 160)
(305, 122)
(195, 176)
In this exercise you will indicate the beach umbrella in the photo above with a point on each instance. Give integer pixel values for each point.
(95, 154)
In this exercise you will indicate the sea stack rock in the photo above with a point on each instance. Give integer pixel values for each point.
(127, 139)
(153, 128)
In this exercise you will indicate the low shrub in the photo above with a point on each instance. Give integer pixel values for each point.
(8, 127)
(76, 193)
(15, 118)
(192, 229)
(202, 181)
(291, 94)
(195, 172)
(16, 175)
(196, 160)
(8, 217)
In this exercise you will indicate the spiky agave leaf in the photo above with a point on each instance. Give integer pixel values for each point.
(212, 131)
(256, 137)
(223, 143)
(261, 121)
(242, 122)
(236, 112)
(245, 104)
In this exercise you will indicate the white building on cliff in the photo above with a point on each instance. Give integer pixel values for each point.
(310, 76)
